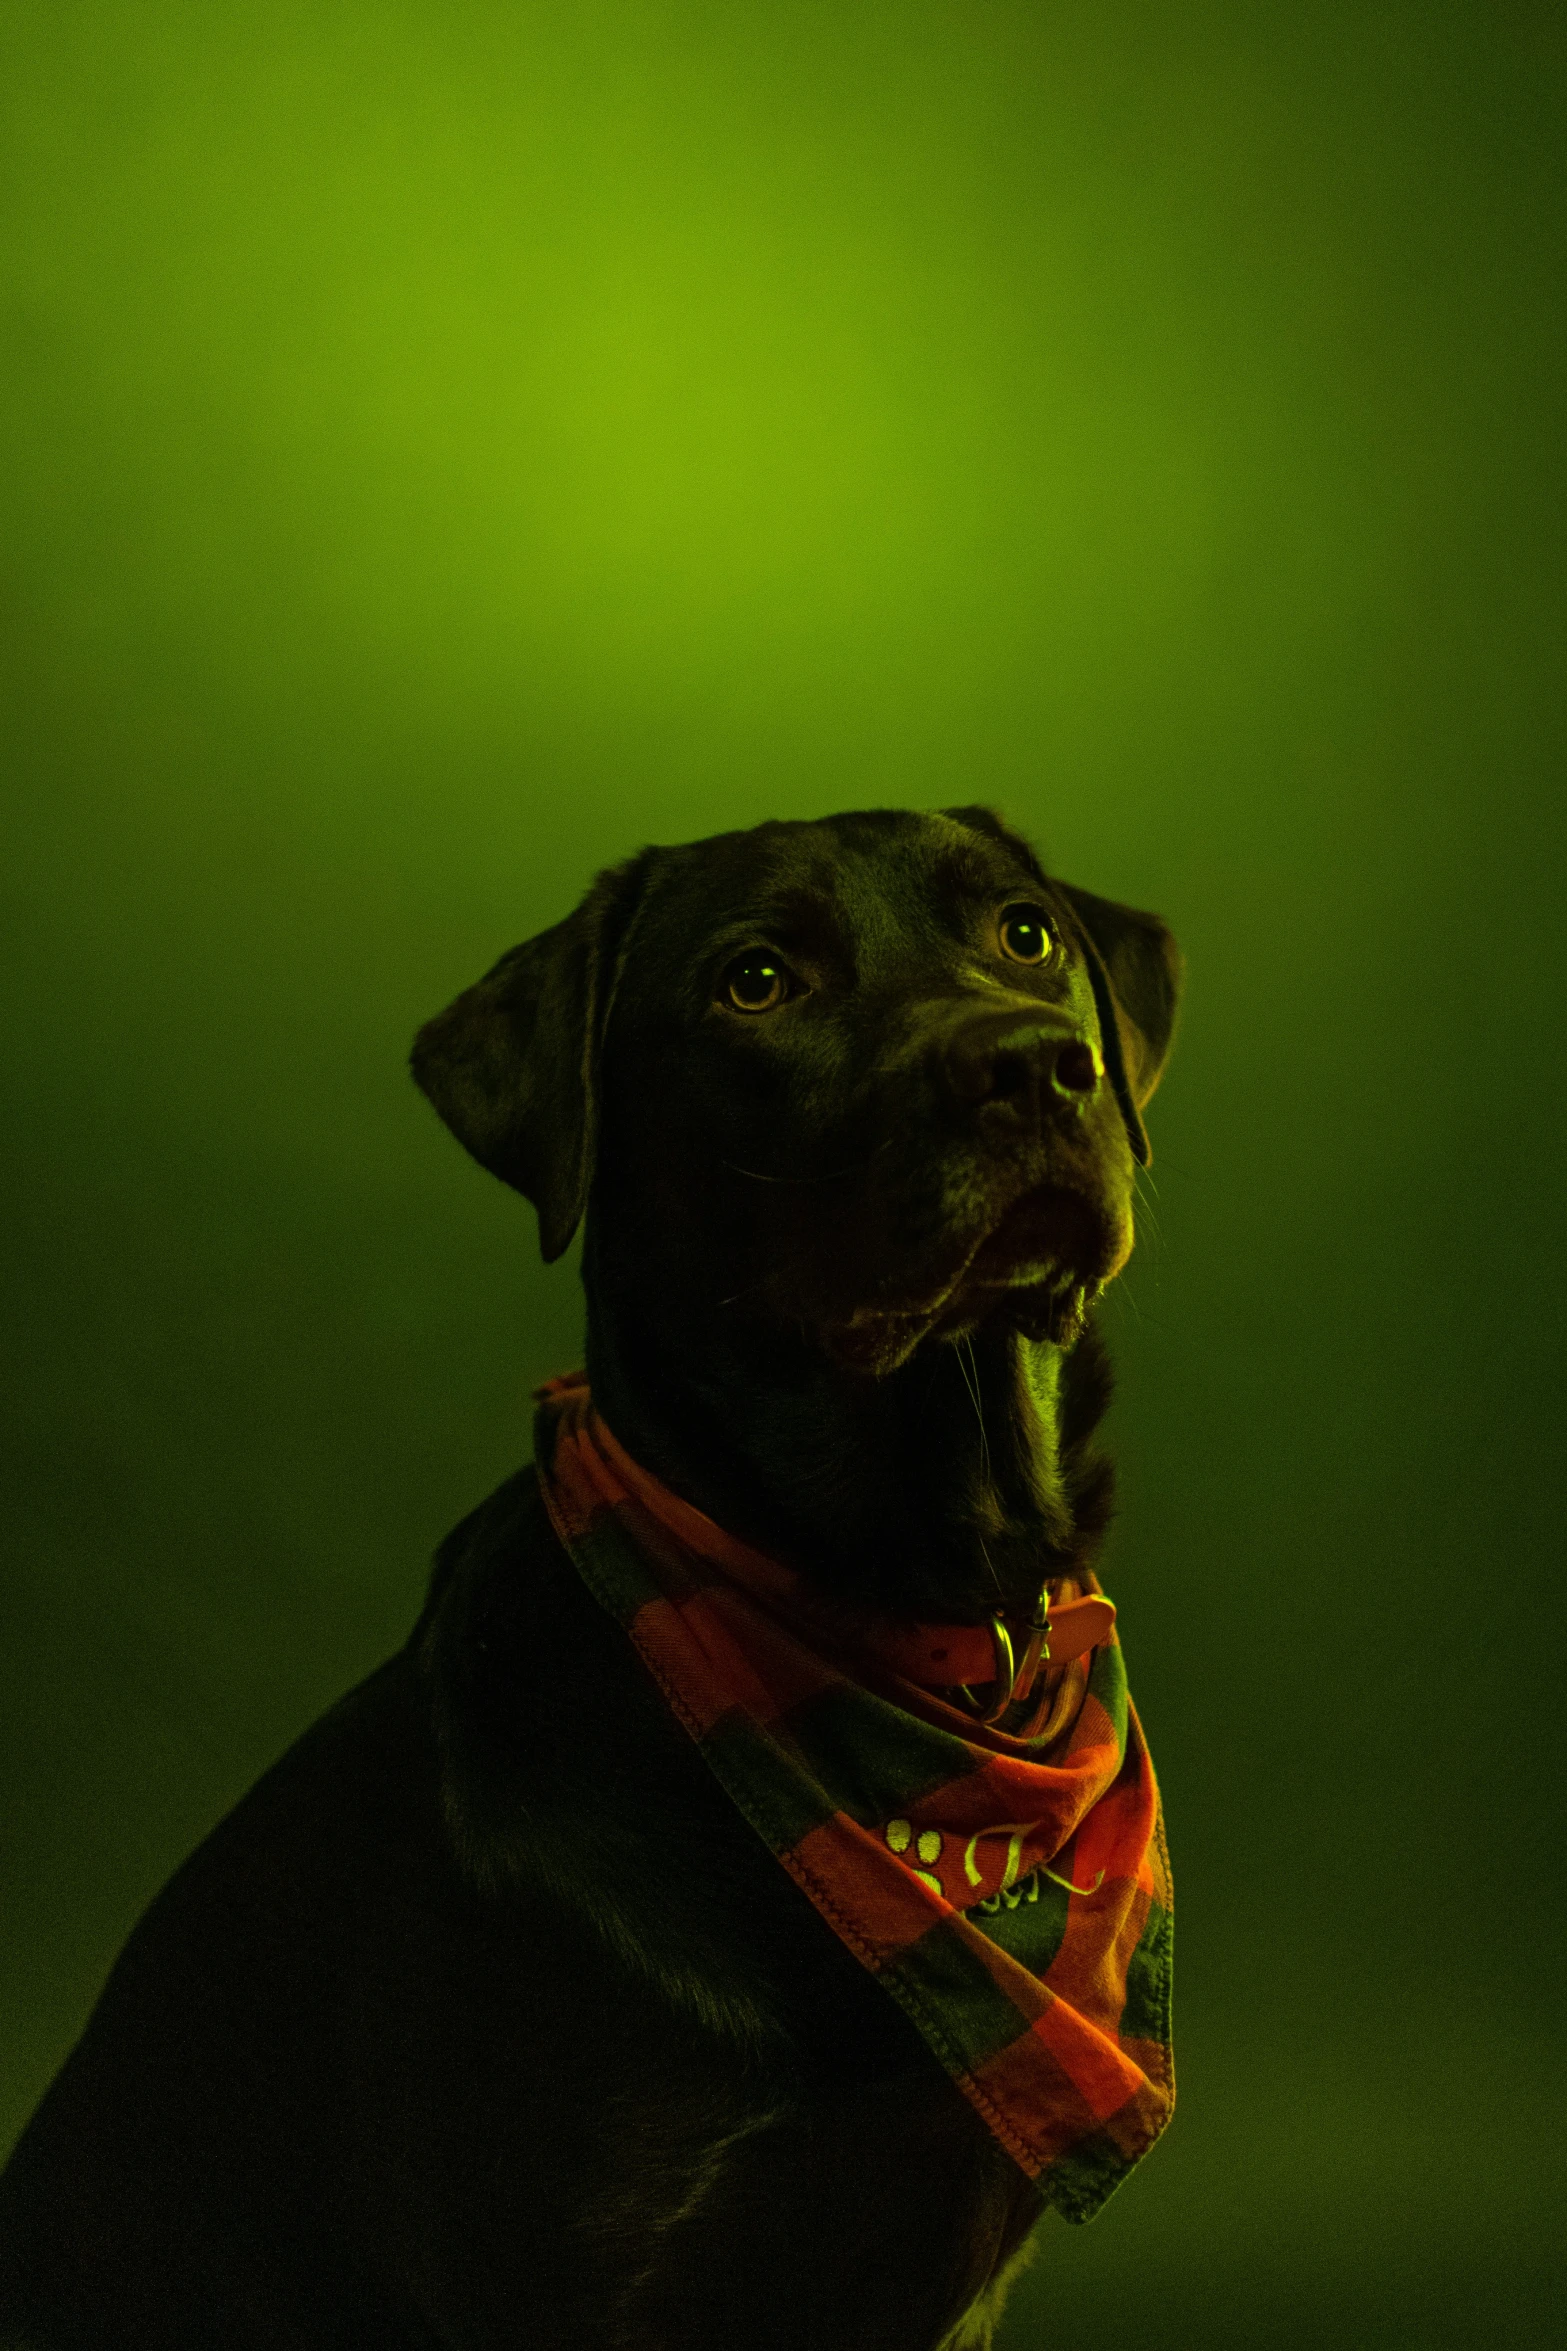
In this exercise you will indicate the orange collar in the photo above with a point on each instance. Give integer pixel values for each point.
(936, 1656)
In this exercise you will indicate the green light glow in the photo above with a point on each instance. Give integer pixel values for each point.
(448, 446)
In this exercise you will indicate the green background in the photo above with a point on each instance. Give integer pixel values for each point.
(449, 445)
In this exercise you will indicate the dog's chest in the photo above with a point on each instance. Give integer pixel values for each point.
(759, 2132)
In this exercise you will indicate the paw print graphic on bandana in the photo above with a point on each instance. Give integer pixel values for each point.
(927, 1845)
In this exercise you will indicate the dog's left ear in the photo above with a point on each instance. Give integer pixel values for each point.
(1136, 971)
(512, 1065)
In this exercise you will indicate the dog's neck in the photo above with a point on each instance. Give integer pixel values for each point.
(950, 1486)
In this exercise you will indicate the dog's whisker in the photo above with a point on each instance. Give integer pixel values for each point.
(790, 1265)
(971, 1382)
(830, 1175)
(758, 1177)
(1148, 1215)
(970, 1376)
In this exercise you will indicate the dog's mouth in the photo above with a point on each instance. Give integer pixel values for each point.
(1041, 1263)
(1048, 1236)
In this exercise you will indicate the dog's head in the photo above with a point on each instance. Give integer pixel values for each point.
(876, 1077)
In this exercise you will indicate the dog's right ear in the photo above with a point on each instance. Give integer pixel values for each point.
(512, 1065)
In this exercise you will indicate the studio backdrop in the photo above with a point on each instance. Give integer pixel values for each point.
(450, 445)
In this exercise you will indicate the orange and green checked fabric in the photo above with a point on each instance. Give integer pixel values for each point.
(1013, 1898)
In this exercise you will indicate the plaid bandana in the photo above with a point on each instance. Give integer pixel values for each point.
(1016, 1908)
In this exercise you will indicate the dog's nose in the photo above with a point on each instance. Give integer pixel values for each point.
(1035, 1061)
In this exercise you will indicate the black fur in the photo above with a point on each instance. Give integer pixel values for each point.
(485, 2020)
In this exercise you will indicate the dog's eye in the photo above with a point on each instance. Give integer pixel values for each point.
(755, 982)
(1024, 933)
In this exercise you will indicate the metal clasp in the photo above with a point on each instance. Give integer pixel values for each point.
(1010, 1669)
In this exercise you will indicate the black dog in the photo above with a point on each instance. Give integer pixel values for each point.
(486, 2020)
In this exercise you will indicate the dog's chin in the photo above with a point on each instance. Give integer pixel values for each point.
(1039, 1267)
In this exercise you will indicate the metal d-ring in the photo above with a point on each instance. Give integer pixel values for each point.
(1006, 1673)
